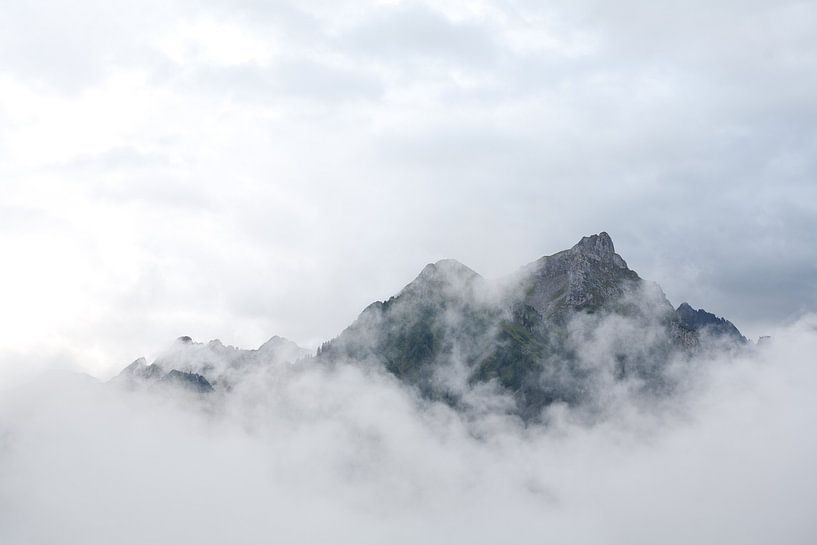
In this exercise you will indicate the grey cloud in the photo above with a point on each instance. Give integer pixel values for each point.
(416, 33)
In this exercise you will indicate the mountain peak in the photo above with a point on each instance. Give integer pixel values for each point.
(685, 308)
(447, 266)
(446, 272)
(283, 350)
(139, 369)
(599, 247)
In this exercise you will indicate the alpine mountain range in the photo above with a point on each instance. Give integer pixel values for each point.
(561, 329)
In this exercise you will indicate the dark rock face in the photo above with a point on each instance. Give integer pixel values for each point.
(530, 334)
(701, 321)
(190, 381)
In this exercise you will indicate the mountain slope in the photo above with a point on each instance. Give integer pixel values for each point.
(444, 313)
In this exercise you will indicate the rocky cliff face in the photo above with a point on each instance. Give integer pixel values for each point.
(588, 276)
(702, 322)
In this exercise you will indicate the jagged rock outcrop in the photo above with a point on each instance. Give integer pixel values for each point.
(706, 323)
(586, 277)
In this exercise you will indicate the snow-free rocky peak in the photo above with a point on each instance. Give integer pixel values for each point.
(445, 275)
(599, 247)
(586, 277)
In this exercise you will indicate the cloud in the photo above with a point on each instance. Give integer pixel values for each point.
(344, 453)
(411, 32)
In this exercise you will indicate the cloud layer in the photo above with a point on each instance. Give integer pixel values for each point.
(306, 454)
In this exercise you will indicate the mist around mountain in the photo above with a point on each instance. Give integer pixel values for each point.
(569, 402)
(347, 453)
(578, 328)
(567, 328)
(201, 367)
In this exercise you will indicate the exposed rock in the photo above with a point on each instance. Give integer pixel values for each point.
(703, 322)
(585, 277)
(190, 381)
(599, 247)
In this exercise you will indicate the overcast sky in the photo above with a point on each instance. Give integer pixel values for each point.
(240, 169)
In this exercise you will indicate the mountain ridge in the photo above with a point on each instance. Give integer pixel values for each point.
(564, 328)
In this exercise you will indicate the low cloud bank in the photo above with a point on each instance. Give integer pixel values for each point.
(344, 454)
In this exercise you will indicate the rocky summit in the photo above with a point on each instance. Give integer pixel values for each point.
(567, 328)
